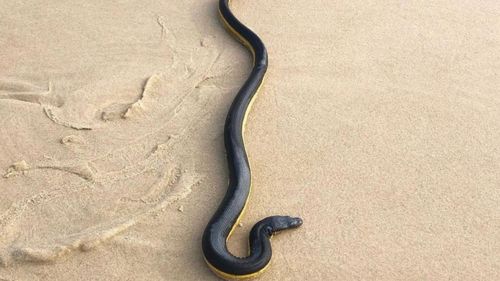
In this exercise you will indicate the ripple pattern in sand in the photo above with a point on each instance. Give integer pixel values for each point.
(107, 191)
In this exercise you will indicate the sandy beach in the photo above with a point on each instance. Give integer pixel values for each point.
(378, 124)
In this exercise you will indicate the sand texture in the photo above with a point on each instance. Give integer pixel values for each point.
(378, 124)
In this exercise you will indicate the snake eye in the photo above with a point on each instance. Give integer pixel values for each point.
(269, 230)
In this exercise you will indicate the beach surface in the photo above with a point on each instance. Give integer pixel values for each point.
(378, 124)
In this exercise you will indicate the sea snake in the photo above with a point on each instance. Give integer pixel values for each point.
(221, 225)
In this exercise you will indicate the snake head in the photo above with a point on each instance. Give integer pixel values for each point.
(275, 224)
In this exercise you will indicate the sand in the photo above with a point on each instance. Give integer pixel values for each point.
(378, 124)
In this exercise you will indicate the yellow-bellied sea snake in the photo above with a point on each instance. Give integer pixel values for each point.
(218, 230)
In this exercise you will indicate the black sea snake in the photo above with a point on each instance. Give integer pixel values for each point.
(215, 251)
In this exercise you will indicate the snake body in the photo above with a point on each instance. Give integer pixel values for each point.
(219, 228)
